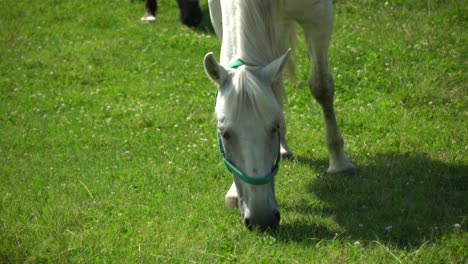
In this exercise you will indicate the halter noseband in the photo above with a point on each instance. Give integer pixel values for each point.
(248, 179)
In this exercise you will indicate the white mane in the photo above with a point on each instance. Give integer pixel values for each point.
(260, 35)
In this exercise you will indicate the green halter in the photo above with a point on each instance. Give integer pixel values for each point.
(248, 179)
(236, 64)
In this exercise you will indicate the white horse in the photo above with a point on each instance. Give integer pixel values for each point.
(255, 39)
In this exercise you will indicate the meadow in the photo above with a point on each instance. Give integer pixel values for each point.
(108, 142)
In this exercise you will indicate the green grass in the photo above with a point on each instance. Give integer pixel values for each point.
(108, 150)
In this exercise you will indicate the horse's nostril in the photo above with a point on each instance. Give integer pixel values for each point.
(248, 223)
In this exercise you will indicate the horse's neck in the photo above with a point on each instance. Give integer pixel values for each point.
(248, 34)
(229, 41)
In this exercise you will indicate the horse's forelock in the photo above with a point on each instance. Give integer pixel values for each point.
(249, 96)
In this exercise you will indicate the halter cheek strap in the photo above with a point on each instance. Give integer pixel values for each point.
(248, 179)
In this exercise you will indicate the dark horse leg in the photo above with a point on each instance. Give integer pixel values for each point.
(190, 12)
(151, 8)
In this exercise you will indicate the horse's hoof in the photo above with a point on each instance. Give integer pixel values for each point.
(347, 170)
(231, 203)
(148, 18)
(287, 155)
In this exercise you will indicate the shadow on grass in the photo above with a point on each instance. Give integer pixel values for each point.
(402, 199)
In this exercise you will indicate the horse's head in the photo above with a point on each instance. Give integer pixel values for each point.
(249, 119)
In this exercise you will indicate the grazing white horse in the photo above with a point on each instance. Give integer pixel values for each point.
(255, 39)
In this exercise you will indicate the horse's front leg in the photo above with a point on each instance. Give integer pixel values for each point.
(190, 12)
(278, 90)
(151, 8)
(322, 86)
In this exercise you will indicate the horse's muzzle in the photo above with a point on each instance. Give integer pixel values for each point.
(265, 223)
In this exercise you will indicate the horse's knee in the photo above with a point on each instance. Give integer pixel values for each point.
(322, 88)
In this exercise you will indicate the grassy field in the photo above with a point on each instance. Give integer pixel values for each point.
(108, 151)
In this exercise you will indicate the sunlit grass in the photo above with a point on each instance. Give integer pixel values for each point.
(108, 151)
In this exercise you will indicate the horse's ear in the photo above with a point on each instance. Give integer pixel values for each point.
(215, 71)
(273, 70)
